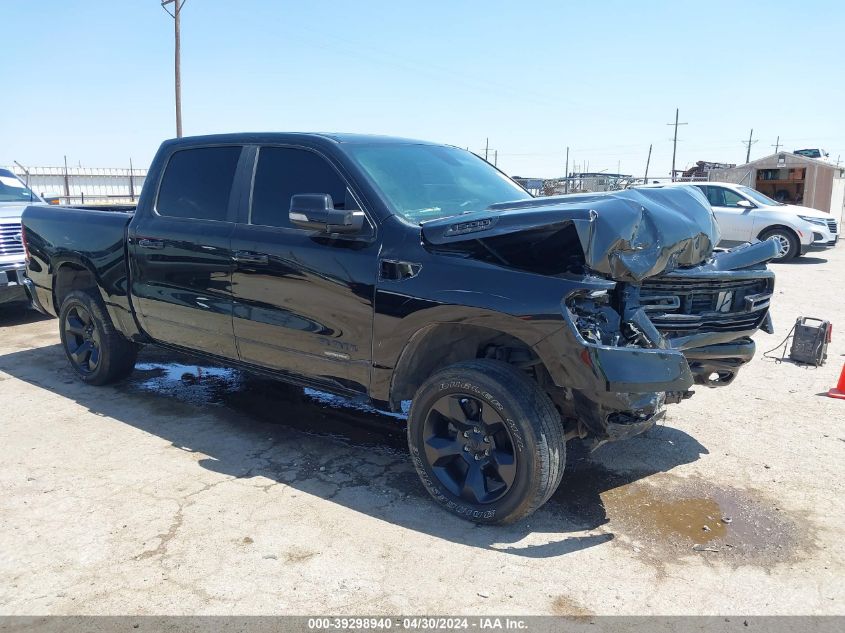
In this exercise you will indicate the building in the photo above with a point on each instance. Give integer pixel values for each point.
(791, 178)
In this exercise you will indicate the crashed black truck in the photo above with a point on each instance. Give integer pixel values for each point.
(394, 270)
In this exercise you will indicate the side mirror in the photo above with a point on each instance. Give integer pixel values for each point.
(745, 204)
(316, 211)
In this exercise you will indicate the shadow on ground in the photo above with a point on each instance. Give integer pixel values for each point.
(802, 260)
(349, 453)
(19, 314)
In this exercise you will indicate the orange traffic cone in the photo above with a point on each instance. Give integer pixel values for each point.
(839, 390)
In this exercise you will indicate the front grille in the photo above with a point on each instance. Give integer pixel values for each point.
(10, 239)
(831, 224)
(681, 306)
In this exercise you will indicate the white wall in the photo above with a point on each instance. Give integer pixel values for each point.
(97, 184)
(837, 199)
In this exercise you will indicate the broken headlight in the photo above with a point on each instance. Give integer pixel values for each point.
(593, 317)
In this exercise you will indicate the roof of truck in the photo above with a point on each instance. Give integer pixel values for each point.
(276, 137)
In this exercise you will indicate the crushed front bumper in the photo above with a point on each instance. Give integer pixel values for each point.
(645, 344)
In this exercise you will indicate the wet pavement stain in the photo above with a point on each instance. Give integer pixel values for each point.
(697, 520)
(659, 516)
(564, 605)
(271, 401)
(662, 517)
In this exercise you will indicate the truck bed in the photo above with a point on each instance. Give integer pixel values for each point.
(84, 239)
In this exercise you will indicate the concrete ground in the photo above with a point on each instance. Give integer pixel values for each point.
(198, 490)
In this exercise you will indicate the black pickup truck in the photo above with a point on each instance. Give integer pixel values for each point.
(397, 270)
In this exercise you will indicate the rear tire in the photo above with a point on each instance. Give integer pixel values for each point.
(97, 352)
(790, 246)
(486, 441)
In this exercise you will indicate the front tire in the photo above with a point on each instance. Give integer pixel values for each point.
(789, 245)
(486, 441)
(97, 352)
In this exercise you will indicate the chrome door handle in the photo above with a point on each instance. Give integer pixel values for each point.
(248, 257)
(145, 242)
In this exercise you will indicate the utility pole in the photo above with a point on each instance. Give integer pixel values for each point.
(67, 184)
(647, 161)
(566, 179)
(177, 11)
(748, 145)
(495, 158)
(486, 148)
(675, 142)
(776, 146)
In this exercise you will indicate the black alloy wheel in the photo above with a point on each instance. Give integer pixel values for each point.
(82, 339)
(486, 441)
(98, 353)
(469, 448)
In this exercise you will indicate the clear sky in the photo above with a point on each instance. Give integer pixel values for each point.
(93, 79)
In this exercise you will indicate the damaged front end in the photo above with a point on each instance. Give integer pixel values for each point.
(705, 312)
(653, 309)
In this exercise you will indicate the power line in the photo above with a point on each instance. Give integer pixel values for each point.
(675, 142)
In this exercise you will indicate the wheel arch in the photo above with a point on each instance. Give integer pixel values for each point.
(71, 275)
(783, 227)
(439, 345)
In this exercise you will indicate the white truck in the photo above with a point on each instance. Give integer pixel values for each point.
(14, 198)
(746, 215)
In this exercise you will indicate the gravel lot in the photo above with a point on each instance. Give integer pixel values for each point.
(193, 489)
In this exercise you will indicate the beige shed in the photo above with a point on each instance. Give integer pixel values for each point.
(791, 178)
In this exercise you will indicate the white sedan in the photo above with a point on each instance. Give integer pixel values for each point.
(746, 215)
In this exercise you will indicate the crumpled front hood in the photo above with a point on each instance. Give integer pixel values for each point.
(626, 235)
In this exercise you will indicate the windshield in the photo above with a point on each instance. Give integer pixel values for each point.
(759, 198)
(427, 182)
(13, 190)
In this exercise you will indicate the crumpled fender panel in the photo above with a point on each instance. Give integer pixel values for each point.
(627, 235)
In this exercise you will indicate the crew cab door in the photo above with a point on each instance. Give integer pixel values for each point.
(180, 252)
(736, 223)
(303, 300)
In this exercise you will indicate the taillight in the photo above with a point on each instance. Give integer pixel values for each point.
(25, 244)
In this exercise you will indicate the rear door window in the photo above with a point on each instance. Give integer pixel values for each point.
(283, 172)
(715, 196)
(197, 183)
